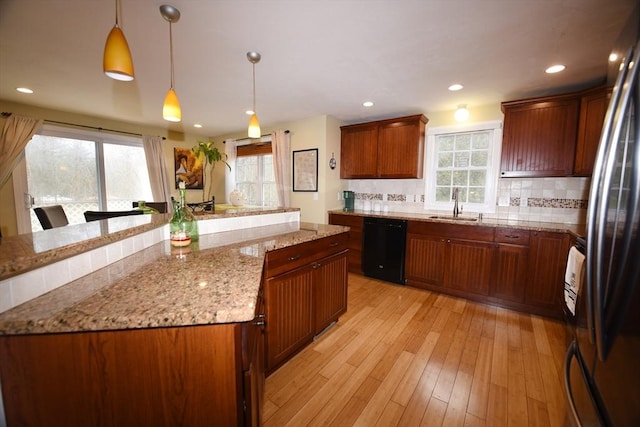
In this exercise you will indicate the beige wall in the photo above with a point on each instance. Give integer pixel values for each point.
(8, 223)
(323, 133)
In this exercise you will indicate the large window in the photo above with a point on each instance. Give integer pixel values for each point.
(466, 158)
(83, 170)
(255, 177)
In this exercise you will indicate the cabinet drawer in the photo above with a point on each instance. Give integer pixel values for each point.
(453, 231)
(513, 236)
(353, 221)
(286, 259)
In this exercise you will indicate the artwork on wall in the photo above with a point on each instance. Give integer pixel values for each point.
(188, 168)
(305, 170)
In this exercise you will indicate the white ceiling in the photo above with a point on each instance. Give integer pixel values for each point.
(318, 57)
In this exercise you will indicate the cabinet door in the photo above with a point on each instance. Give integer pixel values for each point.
(289, 314)
(354, 242)
(548, 259)
(330, 290)
(254, 375)
(539, 137)
(510, 277)
(359, 151)
(425, 260)
(593, 107)
(400, 148)
(468, 266)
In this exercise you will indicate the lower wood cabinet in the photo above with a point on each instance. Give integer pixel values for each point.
(191, 376)
(547, 263)
(354, 242)
(514, 268)
(306, 294)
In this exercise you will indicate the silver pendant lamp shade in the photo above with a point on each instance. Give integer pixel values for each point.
(171, 108)
(116, 61)
(254, 125)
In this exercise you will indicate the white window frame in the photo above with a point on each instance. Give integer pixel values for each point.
(20, 189)
(493, 167)
(230, 150)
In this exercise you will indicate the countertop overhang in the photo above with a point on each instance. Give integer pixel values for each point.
(215, 280)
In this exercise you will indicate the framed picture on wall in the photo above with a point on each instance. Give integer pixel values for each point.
(305, 170)
(188, 168)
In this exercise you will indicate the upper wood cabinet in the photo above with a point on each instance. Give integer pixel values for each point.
(554, 135)
(392, 148)
(539, 136)
(593, 107)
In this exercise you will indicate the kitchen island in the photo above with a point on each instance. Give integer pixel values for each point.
(164, 336)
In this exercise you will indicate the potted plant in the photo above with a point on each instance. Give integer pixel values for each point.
(211, 156)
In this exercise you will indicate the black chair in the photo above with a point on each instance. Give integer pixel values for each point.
(161, 207)
(98, 215)
(51, 216)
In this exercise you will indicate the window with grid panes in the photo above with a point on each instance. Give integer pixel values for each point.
(255, 177)
(467, 158)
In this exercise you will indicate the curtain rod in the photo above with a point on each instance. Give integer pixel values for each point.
(6, 114)
(261, 136)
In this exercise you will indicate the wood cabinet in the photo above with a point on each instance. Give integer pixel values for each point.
(354, 242)
(510, 267)
(547, 264)
(593, 107)
(512, 263)
(554, 135)
(392, 148)
(457, 258)
(539, 136)
(137, 377)
(305, 291)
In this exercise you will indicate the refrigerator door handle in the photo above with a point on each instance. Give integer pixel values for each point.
(602, 337)
(571, 352)
(593, 252)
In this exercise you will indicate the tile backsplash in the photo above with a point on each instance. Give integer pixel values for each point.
(562, 200)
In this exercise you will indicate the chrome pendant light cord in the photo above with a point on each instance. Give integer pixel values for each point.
(254, 88)
(171, 50)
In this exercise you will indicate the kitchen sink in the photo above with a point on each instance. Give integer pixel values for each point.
(452, 218)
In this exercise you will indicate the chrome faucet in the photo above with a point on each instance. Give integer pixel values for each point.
(454, 197)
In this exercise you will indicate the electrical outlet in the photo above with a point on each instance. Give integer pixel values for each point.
(524, 201)
(339, 195)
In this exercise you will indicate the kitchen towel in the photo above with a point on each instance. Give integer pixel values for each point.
(573, 278)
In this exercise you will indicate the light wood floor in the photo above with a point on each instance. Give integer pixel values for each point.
(408, 357)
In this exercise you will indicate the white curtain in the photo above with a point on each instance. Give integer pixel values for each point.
(158, 172)
(16, 133)
(281, 149)
(230, 175)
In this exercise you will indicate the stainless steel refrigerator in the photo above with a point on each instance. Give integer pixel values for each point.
(602, 367)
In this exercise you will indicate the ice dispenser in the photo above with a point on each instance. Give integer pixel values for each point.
(349, 197)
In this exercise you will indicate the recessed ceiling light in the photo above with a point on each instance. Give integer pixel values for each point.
(197, 125)
(24, 90)
(555, 69)
(456, 86)
(367, 104)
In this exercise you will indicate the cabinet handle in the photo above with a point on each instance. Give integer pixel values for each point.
(448, 240)
(511, 236)
(316, 266)
(294, 257)
(259, 323)
(334, 244)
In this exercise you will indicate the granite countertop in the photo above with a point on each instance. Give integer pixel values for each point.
(25, 252)
(215, 280)
(578, 230)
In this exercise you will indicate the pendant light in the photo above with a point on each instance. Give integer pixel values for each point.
(254, 125)
(171, 109)
(116, 61)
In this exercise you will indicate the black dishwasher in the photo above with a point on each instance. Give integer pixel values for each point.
(383, 249)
